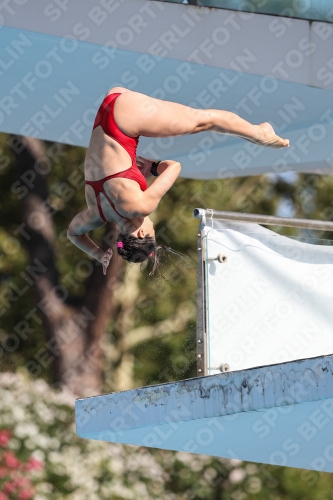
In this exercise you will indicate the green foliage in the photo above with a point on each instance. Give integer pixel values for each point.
(40, 424)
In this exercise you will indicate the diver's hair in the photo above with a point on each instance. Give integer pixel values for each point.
(144, 249)
(136, 249)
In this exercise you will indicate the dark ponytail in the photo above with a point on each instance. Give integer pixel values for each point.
(135, 249)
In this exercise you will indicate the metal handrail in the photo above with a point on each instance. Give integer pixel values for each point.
(315, 10)
(269, 220)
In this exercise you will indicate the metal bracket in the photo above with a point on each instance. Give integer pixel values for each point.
(221, 258)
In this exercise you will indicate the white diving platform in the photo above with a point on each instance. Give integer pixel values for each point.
(58, 60)
(280, 414)
(264, 354)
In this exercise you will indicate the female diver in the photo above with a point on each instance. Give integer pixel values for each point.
(116, 188)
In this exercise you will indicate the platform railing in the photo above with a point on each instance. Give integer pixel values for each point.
(311, 10)
(267, 220)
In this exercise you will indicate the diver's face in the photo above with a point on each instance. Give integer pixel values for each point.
(146, 229)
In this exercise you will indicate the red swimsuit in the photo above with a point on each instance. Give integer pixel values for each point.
(106, 119)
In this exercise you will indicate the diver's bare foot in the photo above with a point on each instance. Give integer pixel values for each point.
(266, 136)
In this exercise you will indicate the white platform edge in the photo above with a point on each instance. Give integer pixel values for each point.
(248, 390)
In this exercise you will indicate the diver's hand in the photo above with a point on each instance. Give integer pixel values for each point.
(144, 165)
(105, 260)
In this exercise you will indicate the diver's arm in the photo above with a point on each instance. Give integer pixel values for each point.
(77, 233)
(168, 171)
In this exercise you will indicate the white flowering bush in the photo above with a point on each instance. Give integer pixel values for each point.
(42, 458)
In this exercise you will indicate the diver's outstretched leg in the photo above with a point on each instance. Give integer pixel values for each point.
(229, 123)
(138, 114)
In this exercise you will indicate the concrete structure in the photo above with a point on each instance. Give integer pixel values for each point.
(280, 414)
(57, 61)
